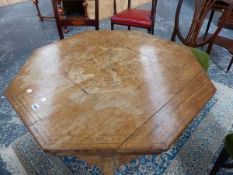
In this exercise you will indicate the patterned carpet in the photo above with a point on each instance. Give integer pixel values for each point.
(22, 32)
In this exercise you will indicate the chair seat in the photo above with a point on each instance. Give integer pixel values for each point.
(202, 57)
(133, 17)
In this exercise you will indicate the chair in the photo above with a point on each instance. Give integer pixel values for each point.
(135, 17)
(63, 20)
(192, 39)
(227, 43)
(226, 153)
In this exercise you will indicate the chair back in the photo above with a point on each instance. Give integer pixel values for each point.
(202, 8)
(64, 21)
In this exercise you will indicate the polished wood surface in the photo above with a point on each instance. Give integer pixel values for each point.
(109, 94)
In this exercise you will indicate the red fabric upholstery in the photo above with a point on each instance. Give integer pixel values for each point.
(133, 17)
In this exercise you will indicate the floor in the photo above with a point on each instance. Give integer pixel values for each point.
(22, 32)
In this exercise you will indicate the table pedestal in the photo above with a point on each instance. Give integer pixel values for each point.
(108, 163)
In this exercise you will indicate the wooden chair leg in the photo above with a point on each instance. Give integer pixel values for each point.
(220, 161)
(59, 26)
(97, 27)
(149, 30)
(173, 38)
(112, 26)
(129, 27)
(209, 23)
(210, 46)
(152, 31)
(229, 67)
(35, 2)
(65, 30)
(60, 32)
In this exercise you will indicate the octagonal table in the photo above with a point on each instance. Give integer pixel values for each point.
(109, 96)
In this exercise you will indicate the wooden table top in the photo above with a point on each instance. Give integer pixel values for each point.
(109, 91)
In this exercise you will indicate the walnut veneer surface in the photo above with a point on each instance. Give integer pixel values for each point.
(109, 92)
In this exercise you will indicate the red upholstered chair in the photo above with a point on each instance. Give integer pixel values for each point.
(135, 17)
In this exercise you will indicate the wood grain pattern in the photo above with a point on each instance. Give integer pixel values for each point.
(109, 93)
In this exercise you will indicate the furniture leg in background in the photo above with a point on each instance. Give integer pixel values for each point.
(224, 42)
(41, 17)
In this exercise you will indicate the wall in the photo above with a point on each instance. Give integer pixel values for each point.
(106, 6)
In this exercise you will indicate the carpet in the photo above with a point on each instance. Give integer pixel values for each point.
(194, 153)
(10, 2)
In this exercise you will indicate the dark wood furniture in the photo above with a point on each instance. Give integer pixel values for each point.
(68, 5)
(192, 39)
(39, 14)
(63, 19)
(225, 154)
(227, 43)
(109, 96)
(219, 6)
(135, 17)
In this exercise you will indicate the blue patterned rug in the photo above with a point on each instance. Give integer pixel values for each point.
(194, 152)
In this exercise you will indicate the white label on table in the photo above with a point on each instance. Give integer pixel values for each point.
(29, 91)
(35, 106)
(43, 99)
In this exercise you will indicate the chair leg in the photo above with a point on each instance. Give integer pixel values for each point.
(112, 26)
(149, 30)
(59, 26)
(129, 27)
(59, 29)
(152, 31)
(173, 38)
(65, 30)
(209, 23)
(229, 67)
(222, 158)
(35, 2)
(97, 27)
(210, 46)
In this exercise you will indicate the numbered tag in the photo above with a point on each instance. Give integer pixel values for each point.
(35, 106)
